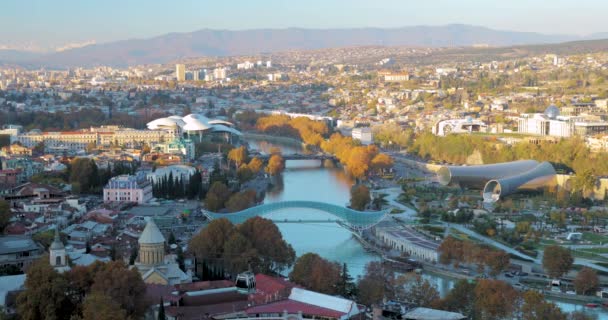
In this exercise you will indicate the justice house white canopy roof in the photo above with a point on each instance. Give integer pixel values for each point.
(192, 122)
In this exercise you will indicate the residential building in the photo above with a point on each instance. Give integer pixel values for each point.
(77, 141)
(20, 251)
(180, 146)
(363, 134)
(127, 188)
(180, 72)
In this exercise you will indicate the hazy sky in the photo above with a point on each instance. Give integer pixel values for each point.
(61, 21)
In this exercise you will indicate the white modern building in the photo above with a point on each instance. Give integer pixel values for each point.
(127, 188)
(410, 242)
(550, 123)
(192, 124)
(363, 134)
(467, 125)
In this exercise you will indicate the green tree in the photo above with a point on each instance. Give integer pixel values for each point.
(557, 260)
(346, 287)
(161, 310)
(5, 215)
(84, 175)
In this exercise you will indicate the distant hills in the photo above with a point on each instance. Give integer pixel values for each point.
(207, 42)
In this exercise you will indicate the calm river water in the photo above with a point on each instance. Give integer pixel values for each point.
(306, 180)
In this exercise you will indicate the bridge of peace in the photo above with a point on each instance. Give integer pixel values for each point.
(352, 219)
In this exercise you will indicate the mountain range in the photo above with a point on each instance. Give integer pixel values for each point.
(208, 42)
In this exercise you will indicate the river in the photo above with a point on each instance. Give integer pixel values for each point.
(306, 180)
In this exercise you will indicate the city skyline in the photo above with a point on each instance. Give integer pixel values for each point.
(64, 24)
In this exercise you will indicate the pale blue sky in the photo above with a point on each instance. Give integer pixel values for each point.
(61, 21)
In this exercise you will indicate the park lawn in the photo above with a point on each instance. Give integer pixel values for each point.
(589, 256)
(598, 250)
(595, 238)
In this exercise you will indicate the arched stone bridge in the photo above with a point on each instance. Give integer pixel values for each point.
(300, 156)
(352, 219)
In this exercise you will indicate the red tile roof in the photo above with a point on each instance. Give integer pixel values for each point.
(270, 289)
(294, 307)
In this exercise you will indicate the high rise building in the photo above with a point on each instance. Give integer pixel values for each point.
(180, 72)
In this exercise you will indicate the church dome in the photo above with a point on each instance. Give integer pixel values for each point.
(151, 234)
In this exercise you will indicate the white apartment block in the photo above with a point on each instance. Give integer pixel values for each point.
(363, 134)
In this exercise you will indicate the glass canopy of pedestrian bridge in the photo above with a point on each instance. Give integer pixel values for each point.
(358, 220)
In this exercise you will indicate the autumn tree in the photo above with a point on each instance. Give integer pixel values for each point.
(44, 296)
(123, 285)
(421, 292)
(586, 281)
(5, 215)
(216, 197)
(239, 253)
(208, 244)
(382, 161)
(377, 284)
(274, 254)
(359, 197)
(460, 299)
(238, 155)
(276, 165)
(450, 250)
(494, 299)
(536, 307)
(498, 261)
(358, 162)
(98, 306)
(316, 274)
(244, 173)
(557, 260)
(255, 165)
(241, 200)
(259, 245)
